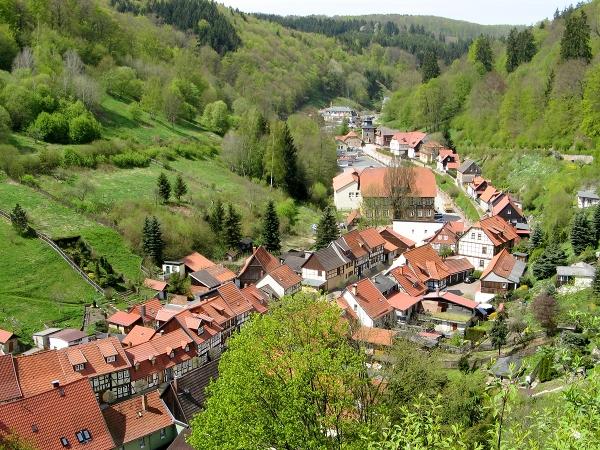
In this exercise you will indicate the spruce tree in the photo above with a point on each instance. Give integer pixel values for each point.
(157, 241)
(293, 177)
(545, 266)
(180, 188)
(327, 229)
(164, 187)
(499, 332)
(575, 42)
(19, 219)
(537, 237)
(596, 282)
(270, 232)
(483, 52)
(216, 218)
(429, 67)
(580, 232)
(147, 237)
(596, 225)
(232, 228)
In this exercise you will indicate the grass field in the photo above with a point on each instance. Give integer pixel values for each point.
(59, 221)
(37, 287)
(461, 200)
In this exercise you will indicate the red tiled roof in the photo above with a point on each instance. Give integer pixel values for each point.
(370, 299)
(155, 284)
(401, 301)
(457, 264)
(354, 214)
(94, 356)
(9, 384)
(489, 192)
(445, 231)
(42, 420)
(129, 420)
(497, 230)
(458, 226)
(195, 262)
(285, 276)
(371, 237)
(501, 264)
(389, 247)
(426, 263)
(478, 181)
(152, 307)
(234, 298)
(503, 203)
(407, 279)
(5, 336)
(138, 335)
(343, 304)
(257, 297)
(124, 319)
(37, 371)
(221, 273)
(375, 336)
(350, 134)
(452, 298)
(373, 182)
(267, 261)
(411, 138)
(395, 238)
(68, 335)
(344, 179)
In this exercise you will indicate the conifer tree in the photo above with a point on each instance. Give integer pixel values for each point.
(429, 67)
(499, 332)
(293, 179)
(270, 232)
(327, 229)
(232, 228)
(147, 237)
(596, 225)
(216, 218)
(483, 52)
(545, 266)
(575, 42)
(180, 188)
(596, 282)
(152, 242)
(520, 48)
(580, 232)
(537, 237)
(164, 187)
(19, 219)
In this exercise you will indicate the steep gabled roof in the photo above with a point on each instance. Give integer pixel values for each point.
(504, 266)
(267, 261)
(138, 335)
(344, 179)
(5, 336)
(328, 258)
(9, 384)
(285, 276)
(489, 193)
(195, 261)
(44, 418)
(257, 297)
(466, 165)
(409, 281)
(130, 420)
(36, 372)
(124, 319)
(152, 307)
(94, 355)
(370, 299)
(426, 263)
(503, 203)
(497, 230)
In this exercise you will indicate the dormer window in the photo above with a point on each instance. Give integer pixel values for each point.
(83, 436)
(172, 354)
(200, 330)
(187, 348)
(64, 441)
(111, 359)
(79, 367)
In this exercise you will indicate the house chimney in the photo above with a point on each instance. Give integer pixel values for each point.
(144, 403)
(143, 312)
(353, 289)
(55, 384)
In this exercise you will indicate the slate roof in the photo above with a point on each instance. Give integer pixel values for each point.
(329, 258)
(43, 419)
(9, 384)
(191, 388)
(129, 421)
(588, 194)
(466, 165)
(384, 283)
(579, 269)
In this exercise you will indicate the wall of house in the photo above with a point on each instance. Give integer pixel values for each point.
(415, 230)
(363, 317)
(476, 247)
(56, 343)
(347, 198)
(253, 273)
(269, 281)
(152, 441)
(497, 288)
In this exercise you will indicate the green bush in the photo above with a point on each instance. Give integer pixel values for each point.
(30, 180)
(130, 160)
(475, 334)
(476, 274)
(83, 129)
(50, 128)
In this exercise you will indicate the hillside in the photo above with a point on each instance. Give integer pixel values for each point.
(511, 121)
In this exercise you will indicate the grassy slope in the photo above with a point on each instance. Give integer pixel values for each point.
(37, 287)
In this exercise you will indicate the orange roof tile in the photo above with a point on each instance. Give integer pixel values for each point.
(489, 192)
(457, 264)
(267, 261)
(9, 384)
(501, 264)
(37, 371)
(426, 263)
(375, 336)
(392, 236)
(138, 335)
(234, 298)
(344, 179)
(371, 237)
(5, 336)
(155, 284)
(503, 203)
(129, 420)
(411, 138)
(497, 230)
(452, 298)
(343, 304)
(401, 301)
(285, 276)
(94, 354)
(46, 417)
(370, 299)
(372, 182)
(195, 261)
(407, 279)
(221, 273)
(257, 297)
(152, 307)
(124, 319)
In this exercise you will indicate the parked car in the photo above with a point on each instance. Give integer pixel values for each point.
(438, 217)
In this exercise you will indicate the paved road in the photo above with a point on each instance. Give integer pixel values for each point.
(366, 161)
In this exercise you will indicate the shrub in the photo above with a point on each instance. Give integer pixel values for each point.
(476, 274)
(474, 334)
(83, 129)
(135, 111)
(130, 160)
(30, 180)
(50, 128)
(5, 122)
(122, 82)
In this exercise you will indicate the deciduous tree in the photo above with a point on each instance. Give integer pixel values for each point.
(545, 311)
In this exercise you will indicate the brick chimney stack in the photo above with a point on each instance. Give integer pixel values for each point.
(354, 286)
(144, 403)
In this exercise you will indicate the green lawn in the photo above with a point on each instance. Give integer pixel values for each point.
(59, 221)
(37, 287)
(460, 198)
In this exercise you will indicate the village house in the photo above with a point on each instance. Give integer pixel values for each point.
(338, 114)
(280, 282)
(9, 342)
(487, 197)
(477, 186)
(374, 341)
(64, 416)
(385, 284)
(208, 279)
(467, 171)
(327, 268)
(395, 244)
(508, 210)
(371, 307)
(67, 337)
(408, 282)
(260, 263)
(404, 306)
(138, 335)
(368, 130)
(123, 321)
(349, 141)
(104, 363)
(407, 144)
(383, 136)
(295, 259)
(447, 236)
(429, 152)
(447, 160)
(587, 198)
(485, 239)
(502, 274)
(577, 276)
(160, 287)
(365, 248)
(141, 422)
(346, 191)
(191, 263)
(449, 312)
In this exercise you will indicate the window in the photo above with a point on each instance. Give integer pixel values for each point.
(64, 441)
(481, 263)
(163, 433)
(142, 442)
(111, 359)
(472, 235)
(355, 307)
(484, 250)
(420, 213)
(508, 211)
(78, 367)
(83, 436)
(445, 238)
(478, 236)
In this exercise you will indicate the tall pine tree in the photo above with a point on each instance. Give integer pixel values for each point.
(580, 232)
(483, 52)
(163, 187)
(545, 266)
(429, 67)
(180, 188)
(232, 228)
(575, 42)
(293, 181)
(520, 48)
(270, 232)
(537, 237)
(327, 229)
(152, 242)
